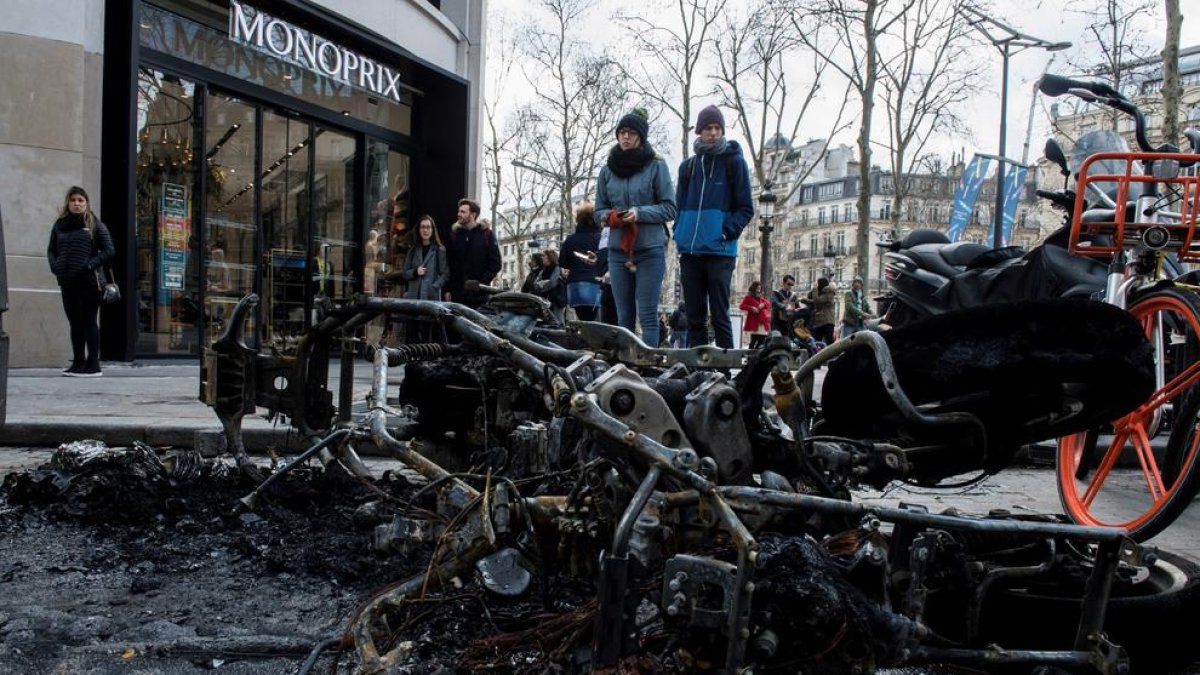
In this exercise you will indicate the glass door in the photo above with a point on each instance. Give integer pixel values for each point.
(386, 240)
(287, 203)
(167, 290)
(230, 232)
(333, 190)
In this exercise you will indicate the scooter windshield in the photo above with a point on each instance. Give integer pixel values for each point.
(1103, 140)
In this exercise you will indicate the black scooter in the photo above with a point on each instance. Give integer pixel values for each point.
(927, 275)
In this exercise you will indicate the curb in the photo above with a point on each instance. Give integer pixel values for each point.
(116, 434)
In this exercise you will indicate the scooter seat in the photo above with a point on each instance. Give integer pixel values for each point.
(929, 258)
(921, 237)
(961, 253)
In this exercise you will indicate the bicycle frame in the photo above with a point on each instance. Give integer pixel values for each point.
(1128, 272)
(1135, 237)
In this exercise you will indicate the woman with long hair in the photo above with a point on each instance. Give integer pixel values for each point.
(426, 269)
(80, 246)
(634, 201)
(550, 284)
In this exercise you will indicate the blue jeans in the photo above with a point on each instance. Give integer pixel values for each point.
(705, 280)
(583, 294)
(636, 293)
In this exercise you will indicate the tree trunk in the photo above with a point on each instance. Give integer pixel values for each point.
(685, 143)
(1171, 90)
(862, 238)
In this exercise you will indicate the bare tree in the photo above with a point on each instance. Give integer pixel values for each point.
(750, 52)
(670, 55)
(496, 141)
(923, 86)
(846, 34)
(1171, 91)
(527, 192)
(578, 93)
(1112, 30)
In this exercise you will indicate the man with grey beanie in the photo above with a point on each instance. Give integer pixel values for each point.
(855, 309)
(713, 197)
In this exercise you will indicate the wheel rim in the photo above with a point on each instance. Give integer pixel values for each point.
(1128, 486)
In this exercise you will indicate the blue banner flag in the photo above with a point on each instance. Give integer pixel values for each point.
(1014, 186)
(965, 195)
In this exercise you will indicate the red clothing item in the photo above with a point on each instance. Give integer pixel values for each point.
(629, 232)
(758, 313)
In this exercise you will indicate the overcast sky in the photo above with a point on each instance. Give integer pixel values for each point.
(1046, 19)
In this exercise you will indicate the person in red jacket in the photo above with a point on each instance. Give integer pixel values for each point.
(758, 315)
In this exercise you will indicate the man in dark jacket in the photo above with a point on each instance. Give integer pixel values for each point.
(713, 196)
(783, 306)
(474, 255)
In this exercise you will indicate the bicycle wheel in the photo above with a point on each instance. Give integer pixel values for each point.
(1139, 472)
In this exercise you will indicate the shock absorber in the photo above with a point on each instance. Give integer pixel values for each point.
(402, 354)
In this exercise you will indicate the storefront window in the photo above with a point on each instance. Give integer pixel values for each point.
(168, 294)
(273, 189)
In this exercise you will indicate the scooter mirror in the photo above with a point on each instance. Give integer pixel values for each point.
(1054, 153)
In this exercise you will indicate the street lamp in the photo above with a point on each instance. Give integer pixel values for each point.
(766, 211)
(1009, 41)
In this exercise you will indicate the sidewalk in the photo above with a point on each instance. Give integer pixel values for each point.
(155, 402)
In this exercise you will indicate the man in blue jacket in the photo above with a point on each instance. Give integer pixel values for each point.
(713, 197)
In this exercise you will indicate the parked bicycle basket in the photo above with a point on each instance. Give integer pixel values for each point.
(1101, 233)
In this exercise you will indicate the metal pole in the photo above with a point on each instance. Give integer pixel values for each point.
(998, 216)
(766, 274)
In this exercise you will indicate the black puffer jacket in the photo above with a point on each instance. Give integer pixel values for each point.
(74, 252)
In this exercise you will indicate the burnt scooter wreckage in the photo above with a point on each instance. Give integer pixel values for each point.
(716, 522)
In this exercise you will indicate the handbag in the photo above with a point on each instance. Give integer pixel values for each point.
(109, 291)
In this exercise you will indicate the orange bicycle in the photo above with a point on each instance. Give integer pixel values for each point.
(1140, 471)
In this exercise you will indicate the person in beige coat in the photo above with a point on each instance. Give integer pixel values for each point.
(823, 301)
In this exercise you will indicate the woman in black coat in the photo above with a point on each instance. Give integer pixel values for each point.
(582, 266)
(80, 247)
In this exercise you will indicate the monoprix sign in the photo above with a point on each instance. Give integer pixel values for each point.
(262, 31)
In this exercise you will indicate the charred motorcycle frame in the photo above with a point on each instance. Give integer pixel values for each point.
(689, 496)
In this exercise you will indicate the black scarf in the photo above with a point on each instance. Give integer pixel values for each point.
(71, 221)
(625, 163)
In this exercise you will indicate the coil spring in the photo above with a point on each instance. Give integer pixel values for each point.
(398, 356)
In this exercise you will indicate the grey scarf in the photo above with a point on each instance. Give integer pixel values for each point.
(715, 148)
